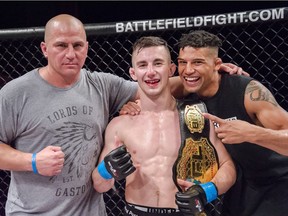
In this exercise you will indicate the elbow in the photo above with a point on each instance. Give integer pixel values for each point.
(101, 185)
(99, 188)
(227, 179)
(231, 176)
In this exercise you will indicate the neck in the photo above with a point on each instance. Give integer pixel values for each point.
(56, 79)
(211, 88)
(158, 104)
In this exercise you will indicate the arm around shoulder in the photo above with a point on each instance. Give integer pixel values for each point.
(177, 88)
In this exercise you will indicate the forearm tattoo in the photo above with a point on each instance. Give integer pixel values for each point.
(260, 93)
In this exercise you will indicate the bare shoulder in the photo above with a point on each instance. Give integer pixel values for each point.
(117, 126)
(263, 108)
(257, 92)
(120, 121)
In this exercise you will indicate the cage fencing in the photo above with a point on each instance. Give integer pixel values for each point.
(255, 40)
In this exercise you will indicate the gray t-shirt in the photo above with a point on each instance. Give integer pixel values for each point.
(35, 114)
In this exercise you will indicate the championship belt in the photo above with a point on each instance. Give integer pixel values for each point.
(197, 158)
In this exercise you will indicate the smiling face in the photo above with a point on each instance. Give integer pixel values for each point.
(152, 68)
(198, 70)
(65, 47)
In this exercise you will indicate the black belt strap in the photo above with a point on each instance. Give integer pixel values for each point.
(197, 159)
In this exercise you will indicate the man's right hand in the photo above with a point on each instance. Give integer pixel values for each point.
(117, 164)
(50, 161)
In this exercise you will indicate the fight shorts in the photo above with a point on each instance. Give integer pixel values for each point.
(197, 158)
(137, 210)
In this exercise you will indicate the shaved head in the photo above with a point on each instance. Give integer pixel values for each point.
(63, 23)
(65, 47)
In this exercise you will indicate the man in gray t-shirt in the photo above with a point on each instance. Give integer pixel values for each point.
(52, 121)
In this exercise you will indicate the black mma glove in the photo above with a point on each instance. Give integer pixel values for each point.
(192, 201)
(117, 164)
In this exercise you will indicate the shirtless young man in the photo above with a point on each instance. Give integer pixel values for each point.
(152, 139)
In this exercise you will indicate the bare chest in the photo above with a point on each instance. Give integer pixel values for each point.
(154, 135)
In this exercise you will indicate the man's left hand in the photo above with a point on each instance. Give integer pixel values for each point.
(233, 69)
(231, 132)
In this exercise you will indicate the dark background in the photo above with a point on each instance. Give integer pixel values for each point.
(18, 14)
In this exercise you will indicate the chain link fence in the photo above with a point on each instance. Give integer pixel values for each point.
(255, 40)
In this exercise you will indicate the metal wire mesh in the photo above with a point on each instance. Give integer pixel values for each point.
(258, 47)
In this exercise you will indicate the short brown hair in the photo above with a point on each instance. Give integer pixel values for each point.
(199, 39)
(149, 41)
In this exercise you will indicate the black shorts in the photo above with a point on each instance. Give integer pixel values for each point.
(137, 210)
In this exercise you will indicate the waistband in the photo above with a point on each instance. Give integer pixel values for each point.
(153, 210)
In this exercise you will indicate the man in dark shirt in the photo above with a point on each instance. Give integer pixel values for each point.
(253, 127)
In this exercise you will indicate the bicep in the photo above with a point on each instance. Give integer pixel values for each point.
(109, 139)
(113, 135)
(222, 153)
(273, 117)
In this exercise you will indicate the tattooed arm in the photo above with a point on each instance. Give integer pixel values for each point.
(266, 113)
(262, 107)
(271, 121)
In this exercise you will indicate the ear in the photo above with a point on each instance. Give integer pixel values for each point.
(44, 49)
(132, 73)
(87, 48)
(172, 69)
(218, 62)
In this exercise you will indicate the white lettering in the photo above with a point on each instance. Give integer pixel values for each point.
(188, 22)
(253, 16)
(198, 21)
(241, 16)
(129, 27)
(221, 19)
(207, 19)
(160, 24)
(168, 22)
(265, 15)
(119, 27)
(181, 23)
(174, 23)
(232, 18)
(278, 14)
(136, 25)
